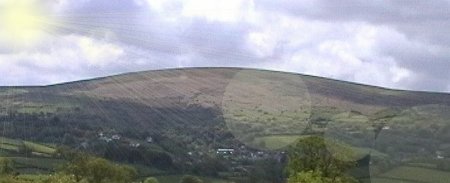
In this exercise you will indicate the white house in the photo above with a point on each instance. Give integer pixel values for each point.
(135, 145)
(225, 151)
(116, 137)
(149, 139)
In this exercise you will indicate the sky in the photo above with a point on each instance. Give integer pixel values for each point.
(398, 44)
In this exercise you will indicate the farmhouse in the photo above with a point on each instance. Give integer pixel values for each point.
(439, 155)
(225, 151)
(116, 137)
(135, 145)
(106, 139)
(149, 139)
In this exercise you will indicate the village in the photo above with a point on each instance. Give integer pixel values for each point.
(236, 158)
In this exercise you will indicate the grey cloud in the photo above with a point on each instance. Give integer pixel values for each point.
(424, 24)
(382, 11)
(219, 43)
(432, 69)
(419, 19)
(216, 43)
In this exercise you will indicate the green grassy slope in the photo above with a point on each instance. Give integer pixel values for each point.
(198, 110)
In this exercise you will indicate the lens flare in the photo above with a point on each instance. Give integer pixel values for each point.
(21, 21)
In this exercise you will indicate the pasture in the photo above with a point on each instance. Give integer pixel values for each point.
(409, 174)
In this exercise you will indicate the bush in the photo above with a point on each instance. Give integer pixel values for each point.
(61, 178)
(6, 166)
(10, 179)
(317, 177)
(98, 170)
(190, 179)
(313, 158)
(151, 180)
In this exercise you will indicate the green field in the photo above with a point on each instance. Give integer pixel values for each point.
(273, 142)
(12, 91)
(42, 163)
(39, 161)
(17, 145)
(177, 178)
(39, 148)
(4, 140)
(33, 107)
(386, 180)
(407, 174)
(9, 147)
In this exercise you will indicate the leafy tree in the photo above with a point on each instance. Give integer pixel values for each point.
(6, 166)
(61, 178)
(314, 158)
(443, 165)
(98, 170)
(307, 177)
(190, 179)
(209, 167)
(151, 180)
(10, 179)
(317, 177)
(267, 170)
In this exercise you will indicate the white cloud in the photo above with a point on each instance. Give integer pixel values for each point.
(399, 73)
(98, 53)
(348, 51)
(65, 58)
(262, 43)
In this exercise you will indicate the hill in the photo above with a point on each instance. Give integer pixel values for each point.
(177, 119)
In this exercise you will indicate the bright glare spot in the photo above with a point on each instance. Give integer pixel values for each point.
(21, 21)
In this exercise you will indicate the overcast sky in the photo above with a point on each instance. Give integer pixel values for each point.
(395, 44)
